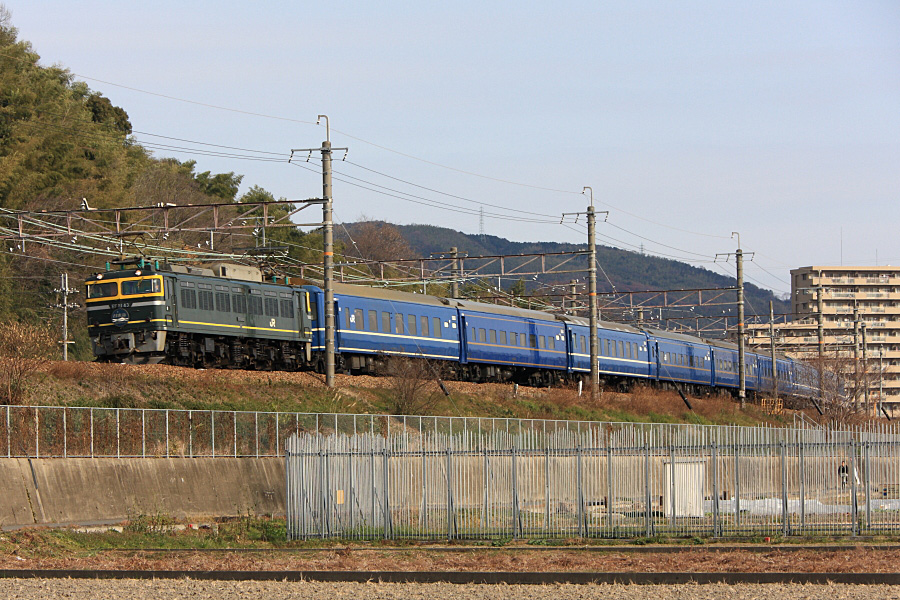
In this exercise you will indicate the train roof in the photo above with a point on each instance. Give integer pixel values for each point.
(671, 335)
(399, 296)
(609, 325)
(364, 291)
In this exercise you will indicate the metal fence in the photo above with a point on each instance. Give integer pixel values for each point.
(542, 479)
(74, 432)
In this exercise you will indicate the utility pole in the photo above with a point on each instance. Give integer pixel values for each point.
(856, 352)
(772, 348)
(820, 336)
(65, 290)
(742, 375)
(865, 366)
(454, 283)
(592, 275)
(592, 289)
(573, 289)
(327, 247)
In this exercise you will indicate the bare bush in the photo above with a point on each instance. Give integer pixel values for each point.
(414, 387)
(24, 351)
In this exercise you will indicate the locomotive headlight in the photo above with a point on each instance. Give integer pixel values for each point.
(99, 275)
(138, 273)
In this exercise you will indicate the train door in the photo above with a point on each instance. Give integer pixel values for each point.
(171, 302)
(653, 350)
(463, 340)
(571, 349)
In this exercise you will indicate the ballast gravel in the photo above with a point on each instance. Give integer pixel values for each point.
(133, 589)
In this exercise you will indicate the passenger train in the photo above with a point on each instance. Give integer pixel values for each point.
(229, 317)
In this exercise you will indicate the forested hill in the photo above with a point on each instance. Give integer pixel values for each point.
(626, 270)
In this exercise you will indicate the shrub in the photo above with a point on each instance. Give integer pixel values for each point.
(24, 350)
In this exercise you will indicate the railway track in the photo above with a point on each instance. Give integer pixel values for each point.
(472, 577)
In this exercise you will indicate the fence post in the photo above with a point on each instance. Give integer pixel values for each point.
(118, 436)
(191, 433)
(868, 491)
(737, 484)
(323, 489)
(515, 490)
(715, 481)
(143, 433)
(546, 488)
(277, 432)
(65, 433)
(256, 430)
(167, 433)
(785, 527)
(450, 515)
(424, 478)
(37, 440)
(610, 495)
(854, 508)
(212, 431)
(647, 512)
(385, 476)
(8, 435)
(672, 487)
(802, 467)
(374, 494)
(234, 424)
(92, 431)
(580, 482)
(487, 474)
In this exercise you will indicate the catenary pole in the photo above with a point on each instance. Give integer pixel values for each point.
(327, 248)
(328, 254)
(592, 276)
(772, 348)
(742, 375)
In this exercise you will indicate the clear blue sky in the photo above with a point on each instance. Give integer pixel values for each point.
(780, 120)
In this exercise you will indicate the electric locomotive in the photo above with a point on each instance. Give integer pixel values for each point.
(229, 317)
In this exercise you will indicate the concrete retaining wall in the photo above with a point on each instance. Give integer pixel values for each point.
(105, 490)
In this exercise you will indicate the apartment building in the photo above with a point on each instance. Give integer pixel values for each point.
(871, 293)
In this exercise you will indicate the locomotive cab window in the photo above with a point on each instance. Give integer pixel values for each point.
(107, 289)
(134, 287)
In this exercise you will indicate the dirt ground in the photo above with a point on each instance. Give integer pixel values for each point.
(87, 589)
(851, 559)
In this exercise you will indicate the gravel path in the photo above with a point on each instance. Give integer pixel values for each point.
(130, 589)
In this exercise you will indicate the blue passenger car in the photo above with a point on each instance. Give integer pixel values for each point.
(501, 343)
(681, 358)
(372, 323)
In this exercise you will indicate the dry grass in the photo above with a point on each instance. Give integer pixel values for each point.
(161, 386)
